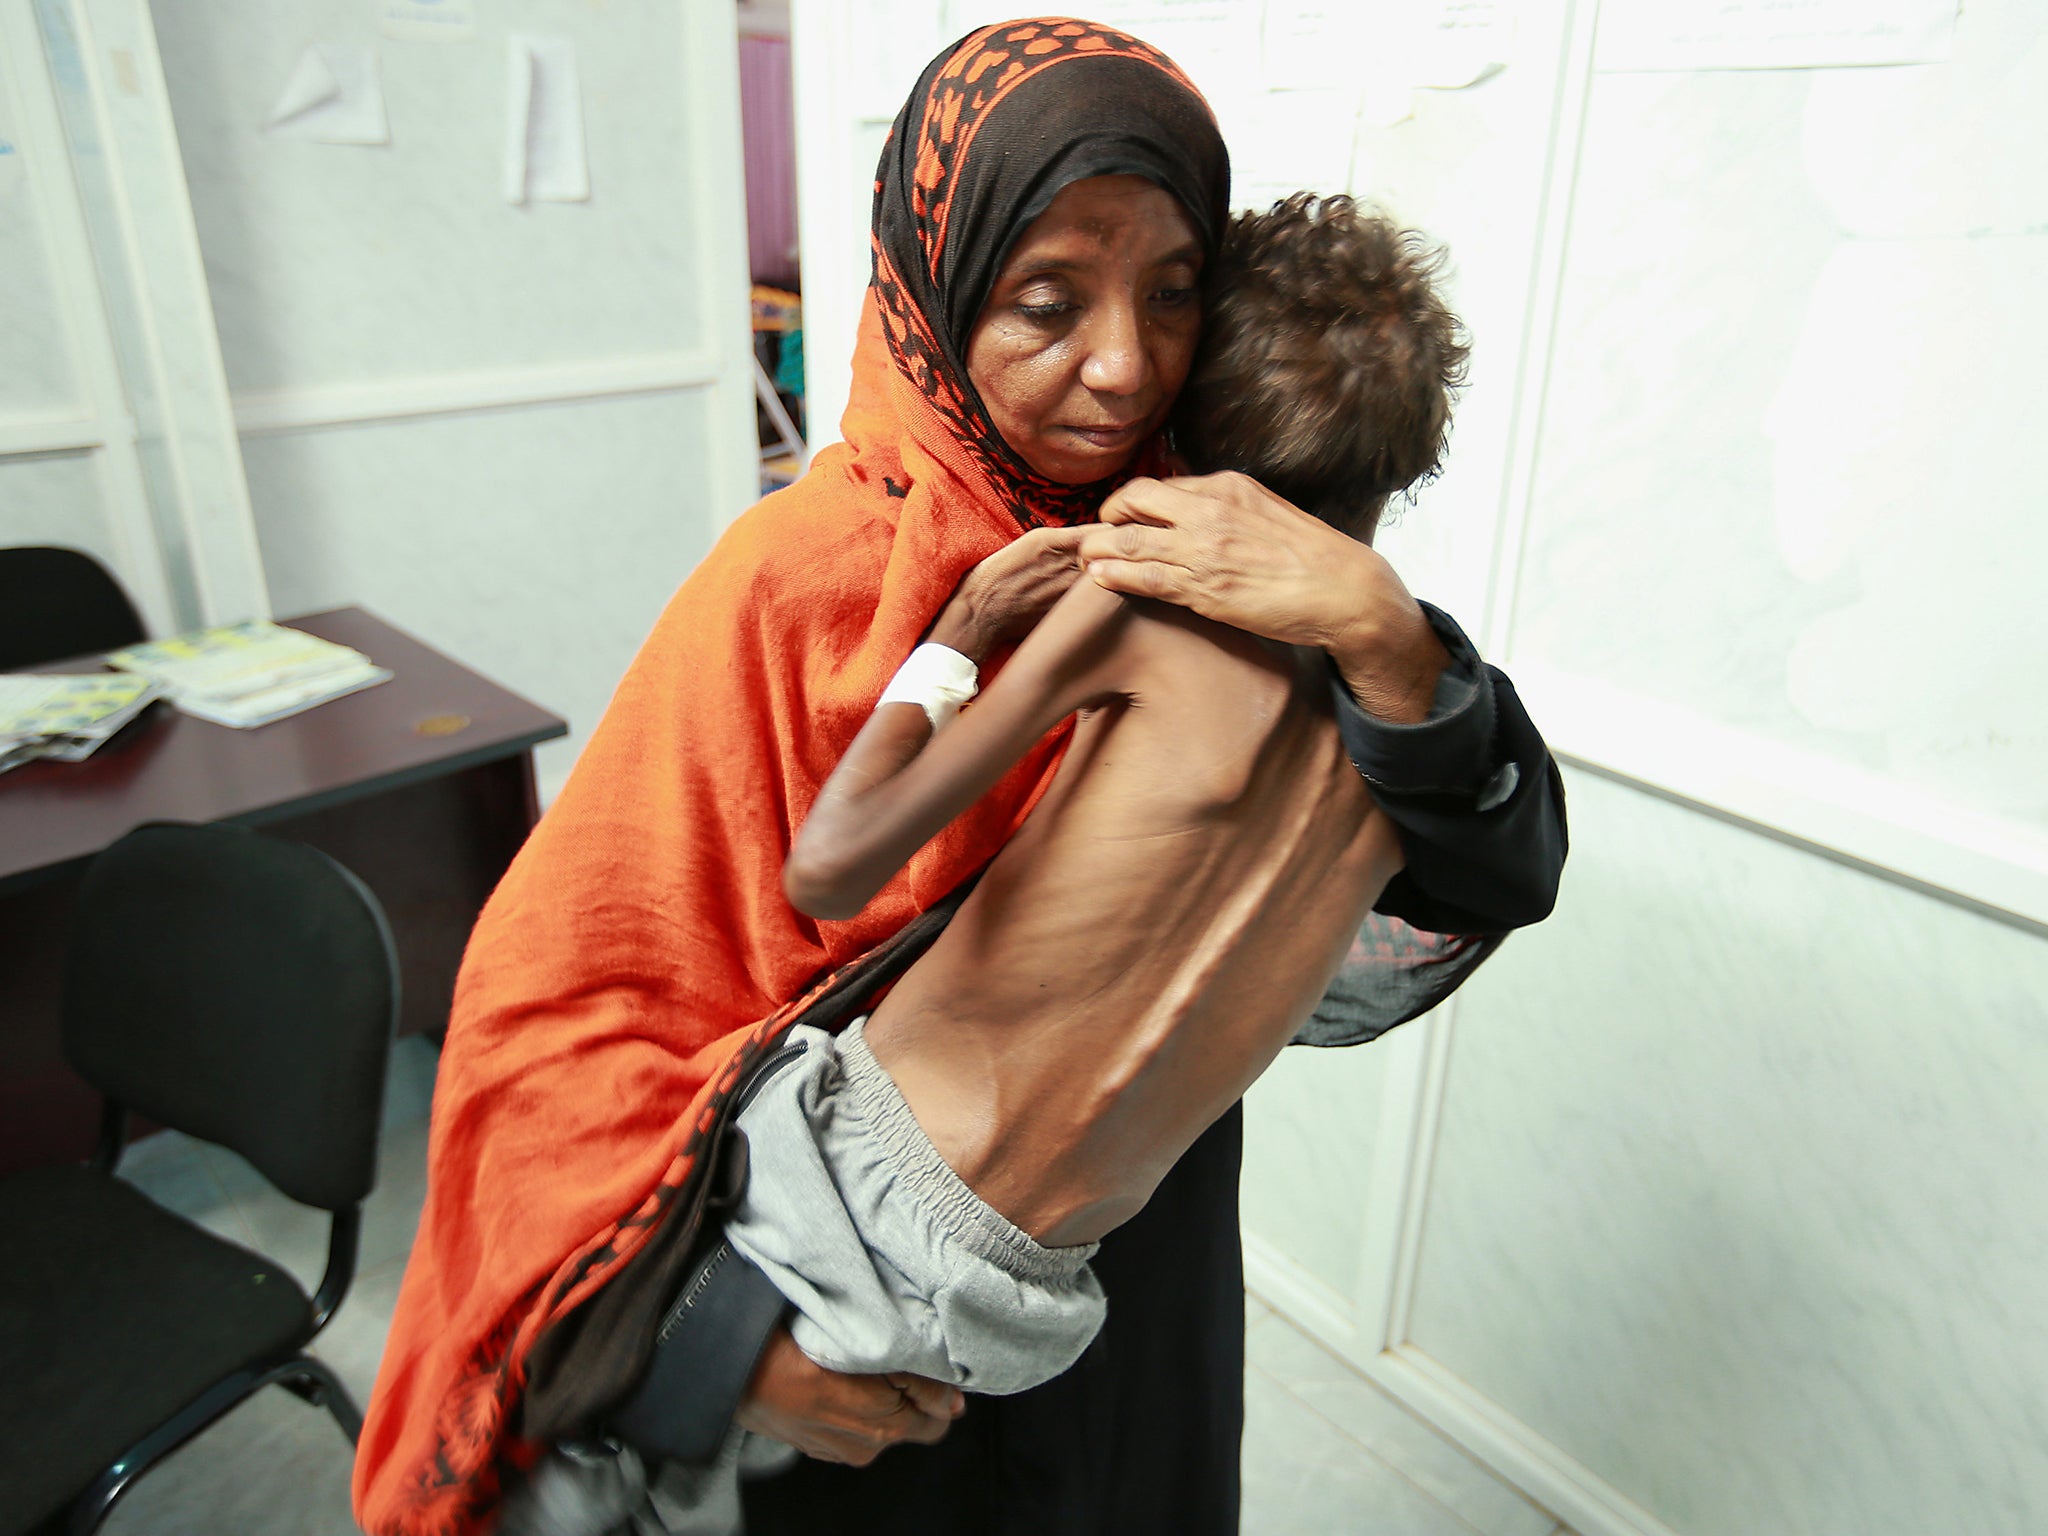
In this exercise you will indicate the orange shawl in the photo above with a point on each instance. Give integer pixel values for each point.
(640, 943)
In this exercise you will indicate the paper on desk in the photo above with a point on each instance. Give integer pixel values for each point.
(544, 158)
(333, 97)
(80, 704)
(282, 699)
(68, 716)
(249, 674)
(1771, 34)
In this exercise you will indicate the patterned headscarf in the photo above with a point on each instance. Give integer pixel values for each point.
(998, 125)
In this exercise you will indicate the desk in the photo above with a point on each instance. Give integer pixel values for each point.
(423, 786)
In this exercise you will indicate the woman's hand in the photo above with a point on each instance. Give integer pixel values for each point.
(1228, 548)
(835, 1417)
(1004, 596)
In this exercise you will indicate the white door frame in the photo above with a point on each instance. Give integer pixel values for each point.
(124, 253)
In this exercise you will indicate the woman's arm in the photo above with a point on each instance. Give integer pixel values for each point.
(899, 785)
(1474, 794)
(1228, 548)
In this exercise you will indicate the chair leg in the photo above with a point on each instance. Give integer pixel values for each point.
(314, 1381)
(93, 1506)
(309, 1378)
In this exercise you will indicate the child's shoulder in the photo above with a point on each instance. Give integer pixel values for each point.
(1168, 635)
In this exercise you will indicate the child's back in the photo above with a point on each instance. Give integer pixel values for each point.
(1171, 912)
(1155, 933)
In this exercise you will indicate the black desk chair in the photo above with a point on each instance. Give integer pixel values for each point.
(56, 603)
(245, 991)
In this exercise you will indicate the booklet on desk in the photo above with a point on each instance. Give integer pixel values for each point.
(66, 717)
(249, 674)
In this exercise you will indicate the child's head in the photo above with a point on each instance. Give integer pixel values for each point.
(1327, 362)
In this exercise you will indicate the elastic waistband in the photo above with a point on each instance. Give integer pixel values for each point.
(872, 1097)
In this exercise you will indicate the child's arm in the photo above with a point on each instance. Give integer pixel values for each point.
(898, 787)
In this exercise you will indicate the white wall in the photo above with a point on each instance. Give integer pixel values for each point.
(1712, 1206)
(1736, 1196)
(509, 429)
(115, 434)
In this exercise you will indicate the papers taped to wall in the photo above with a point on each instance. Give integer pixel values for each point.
(544, 156)
(1284, 142)
(1651, 35)
(427, 21)
(250, 674)
(334, 96)
(1385, 48)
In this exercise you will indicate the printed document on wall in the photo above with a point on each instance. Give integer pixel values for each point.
(1458, 43)
(1383, 48)
(1309, 45)
(1283, 142)
(1771, 34)
(428, 21)
(1215, 41)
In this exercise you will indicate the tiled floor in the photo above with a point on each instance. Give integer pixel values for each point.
(1326, 1453)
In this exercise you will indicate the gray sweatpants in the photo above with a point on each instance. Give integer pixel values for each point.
(891, 1262)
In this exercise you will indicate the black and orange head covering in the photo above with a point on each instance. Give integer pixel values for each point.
(997, 126)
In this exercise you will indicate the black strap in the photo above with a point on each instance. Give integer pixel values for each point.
(704, 1354)
(594, 1357)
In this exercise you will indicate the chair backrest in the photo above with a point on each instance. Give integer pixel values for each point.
(241, 989)
(58, 602)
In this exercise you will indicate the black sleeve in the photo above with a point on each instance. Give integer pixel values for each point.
(1473, 793)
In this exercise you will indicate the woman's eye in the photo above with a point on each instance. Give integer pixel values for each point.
(1050, 310)
(1173, 297)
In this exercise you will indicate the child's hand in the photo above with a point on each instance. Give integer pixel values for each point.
(1000, 600)
(835, 1417)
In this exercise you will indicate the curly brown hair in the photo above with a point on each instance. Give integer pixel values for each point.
(1327, 364)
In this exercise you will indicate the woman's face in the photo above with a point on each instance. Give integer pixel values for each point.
(1089, 328)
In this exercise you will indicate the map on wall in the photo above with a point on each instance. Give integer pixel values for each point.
(1785, 481)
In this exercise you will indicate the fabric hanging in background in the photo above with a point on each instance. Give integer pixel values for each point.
(768, 137)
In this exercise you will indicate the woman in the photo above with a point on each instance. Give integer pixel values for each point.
(639, 955)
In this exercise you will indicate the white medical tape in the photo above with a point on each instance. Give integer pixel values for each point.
(936, 678)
